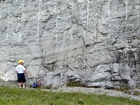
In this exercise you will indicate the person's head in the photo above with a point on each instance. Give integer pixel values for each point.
(21, 62)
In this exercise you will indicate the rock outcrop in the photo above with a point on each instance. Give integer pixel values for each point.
(93, 42)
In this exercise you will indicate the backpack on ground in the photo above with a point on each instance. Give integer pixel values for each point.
(34, 85)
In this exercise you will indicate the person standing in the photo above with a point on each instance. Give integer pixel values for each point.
(21, 72)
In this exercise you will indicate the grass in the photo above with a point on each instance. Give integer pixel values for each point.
(15, 96)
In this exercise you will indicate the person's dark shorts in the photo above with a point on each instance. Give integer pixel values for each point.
(21, 77)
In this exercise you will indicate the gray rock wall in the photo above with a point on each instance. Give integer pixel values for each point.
(94, 42)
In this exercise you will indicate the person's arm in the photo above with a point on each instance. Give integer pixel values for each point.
(16, 71)
(25, 73)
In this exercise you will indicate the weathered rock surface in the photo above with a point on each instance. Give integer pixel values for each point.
(95, 42)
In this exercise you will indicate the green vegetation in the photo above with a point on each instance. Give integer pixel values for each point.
(136, 93)
(15, 96)
(77, 84)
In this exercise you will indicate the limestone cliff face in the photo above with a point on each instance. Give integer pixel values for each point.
(95, 42)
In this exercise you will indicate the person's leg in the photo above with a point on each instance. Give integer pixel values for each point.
(24, 85)
(19, 84)
(23, 81)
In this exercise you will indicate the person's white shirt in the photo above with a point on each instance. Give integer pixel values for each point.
(20, 69)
